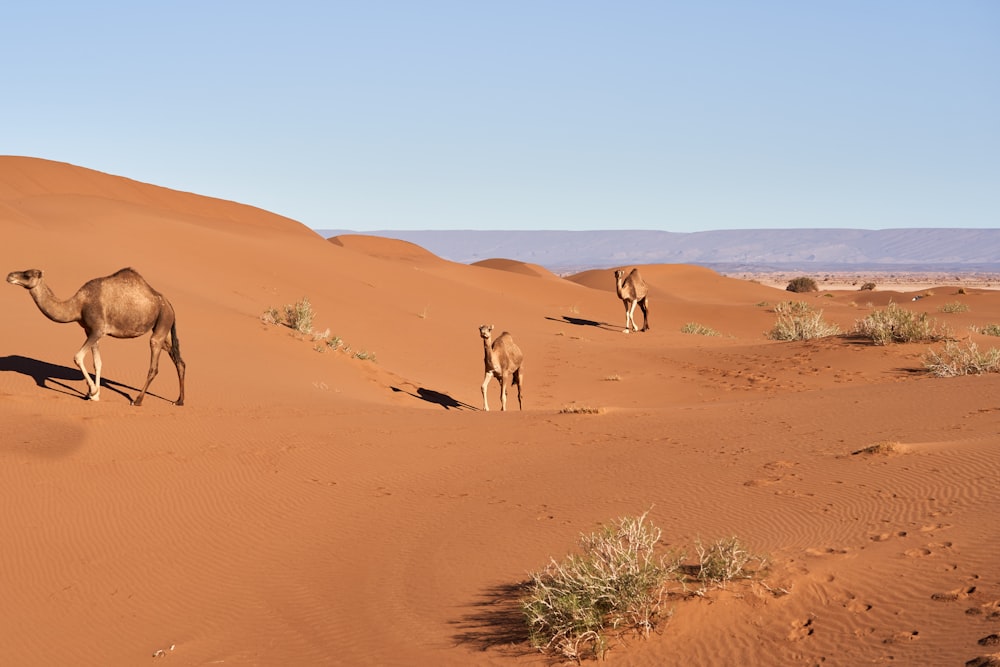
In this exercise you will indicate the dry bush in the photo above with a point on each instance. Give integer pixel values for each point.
(580, 410)
(894, 324)
(699, 329)
(804, 326)
(792, 308)
(990, 330)
(299, 315)
(726, 560)
(883, 447)
(802, 284)
(953, 307)
(955, 360)
(867, 286)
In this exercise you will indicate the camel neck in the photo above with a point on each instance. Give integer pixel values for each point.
(53, 308)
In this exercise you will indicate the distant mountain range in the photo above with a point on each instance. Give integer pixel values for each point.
(726, 251)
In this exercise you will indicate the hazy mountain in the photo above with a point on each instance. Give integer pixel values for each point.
(759, 249)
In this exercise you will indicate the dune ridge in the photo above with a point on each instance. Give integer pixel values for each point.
(310, 506)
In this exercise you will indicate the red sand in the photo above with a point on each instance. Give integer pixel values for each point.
(311, 507)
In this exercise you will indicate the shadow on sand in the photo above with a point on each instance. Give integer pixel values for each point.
(580, 322)
(54, 378)
(496, 622)
(436, 397)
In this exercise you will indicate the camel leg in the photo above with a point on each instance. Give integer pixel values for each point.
(503, 392)
(94, 390)
(155, 347)
(630, 317)
(175, 356)
(518, 376)
(645, 314)
(486, 384)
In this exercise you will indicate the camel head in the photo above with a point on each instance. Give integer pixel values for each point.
(485, 331)
(27, 279)
(619, 275)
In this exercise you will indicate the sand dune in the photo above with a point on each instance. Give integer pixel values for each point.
(312, 505)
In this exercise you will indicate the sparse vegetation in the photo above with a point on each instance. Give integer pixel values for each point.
(613, 378)
(990, 330)
(724, 561)
(953, 307)
(894, 324)
(699, 329)
(299, 316)
(884, 447)
(618, 584)
(580, 410)
(802, 326)
(364, 355)
(802, 284)
(867, 286)
(955, 360)
(792, 308)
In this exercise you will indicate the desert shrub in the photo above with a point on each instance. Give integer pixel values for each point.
(956, 360)
(894, 324)
(953, 307)
(882, 447)
(299, 315)
(699, 329)
(365, 355)
(802, 284)
(991, 330)
(805, 326)
(792, 308)
(725, 560)
(271, 316)
(580, 410)
(617, 582)
(867, 286)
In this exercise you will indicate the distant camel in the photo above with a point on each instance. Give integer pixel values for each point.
(632, 290)
(504, 361)
(122, 305)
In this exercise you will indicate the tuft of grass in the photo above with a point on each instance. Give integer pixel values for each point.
(792, 308)
(364, 355)
(955, 360)
(990, 330)
(699, 329)
(613, 378)
(580, 410)
(804, 326)
(299, 315)
(271, 316)
(725, 560)
(953, 307)
(894, 324)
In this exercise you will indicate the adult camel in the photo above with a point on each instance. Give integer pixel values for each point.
(121, 305)
(504, 361)
(632, 291)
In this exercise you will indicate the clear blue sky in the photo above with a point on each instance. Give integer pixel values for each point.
(525, 114)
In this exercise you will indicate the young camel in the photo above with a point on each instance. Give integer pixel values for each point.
(122, 305)
(632, 290)
(504, 361)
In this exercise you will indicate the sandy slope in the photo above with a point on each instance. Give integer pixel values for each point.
(310, 507)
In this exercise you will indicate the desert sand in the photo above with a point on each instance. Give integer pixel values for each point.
(356, 506)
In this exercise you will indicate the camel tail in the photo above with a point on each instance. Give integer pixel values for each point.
(175, 344)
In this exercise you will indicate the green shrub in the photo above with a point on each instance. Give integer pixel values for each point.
(617, 582)
(725, 560)
(802, 284)
(694, 328)
(953, 307)
(804, 326)
(894, 324)
(955, 360)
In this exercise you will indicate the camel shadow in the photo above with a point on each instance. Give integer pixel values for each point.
(54, 377)
(436, 397)
(496, 622)
(580, 322)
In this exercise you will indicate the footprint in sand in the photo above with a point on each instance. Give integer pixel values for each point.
(902, 637)
(990, 640)
(882, 537)
(857, 606)
(827, 551)
(957, 594)
(800, 630)
(918, 553)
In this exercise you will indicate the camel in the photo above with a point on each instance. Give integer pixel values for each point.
(632, 290)
(121, 305)
(504, 361)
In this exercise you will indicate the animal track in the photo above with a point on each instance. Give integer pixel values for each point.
(801, 630)
(956, 594)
